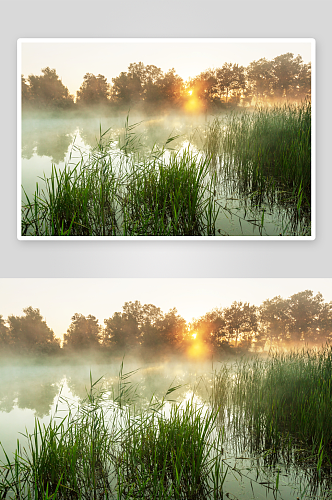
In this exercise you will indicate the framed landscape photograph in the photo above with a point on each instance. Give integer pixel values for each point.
(166, 139)
(141, 388)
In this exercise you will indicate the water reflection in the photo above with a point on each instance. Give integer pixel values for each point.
(29, 388)
(36, 388)
(50, 138)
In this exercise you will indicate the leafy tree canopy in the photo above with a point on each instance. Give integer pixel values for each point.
(29, 334)
(46, 92)
(83, 334)
(94, 91)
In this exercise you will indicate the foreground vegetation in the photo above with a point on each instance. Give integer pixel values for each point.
(266, 156)
(262, 157)
(275, 411)
(107, 450)
(113, 192)
(281, 404)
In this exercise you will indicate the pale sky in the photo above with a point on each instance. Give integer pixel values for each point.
(60, 298)
(72, 59)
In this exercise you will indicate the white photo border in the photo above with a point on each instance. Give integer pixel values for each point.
(312, 41)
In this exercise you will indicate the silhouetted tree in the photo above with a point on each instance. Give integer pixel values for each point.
(83, 334)
(307, 315)
(94, 91)
(147, 85)
(122, 331)
(25, 93)
(274, 320)
(204, 88)
(302, 318)
(171, 88)
(162, 334)
(144, 327)
(323, 330)
(29, 334)
(173, 331)
(210, 329)
(241, 324)
(4, 336)
(138, 84)
(47, 92)
(259, 80)
(231, 82)
(148, 76)
(285, 77)
(150, 333)
(286, 71)
(126, 90)
(301, 89)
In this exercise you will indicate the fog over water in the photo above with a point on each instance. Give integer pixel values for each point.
(29, 390)
(47, 141)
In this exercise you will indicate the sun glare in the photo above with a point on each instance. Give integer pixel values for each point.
(197, 349)
(190, 92)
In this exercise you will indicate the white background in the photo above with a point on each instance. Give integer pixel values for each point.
(159, 18)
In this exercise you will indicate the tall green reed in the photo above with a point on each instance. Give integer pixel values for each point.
(105, 449)
(113, 191)
(266, 153)
(279, 404)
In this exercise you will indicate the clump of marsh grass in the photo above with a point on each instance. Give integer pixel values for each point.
(281, 404)
(267, 154)
(181, 453)
(173, 198)
(106, 450)
(113, 192)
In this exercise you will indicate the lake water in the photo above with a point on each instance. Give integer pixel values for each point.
(55, 141)
(30, 392)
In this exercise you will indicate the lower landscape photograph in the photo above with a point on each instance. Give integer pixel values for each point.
(166, 389)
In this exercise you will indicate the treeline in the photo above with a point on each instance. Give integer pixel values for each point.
(302, 319)
(146, 86)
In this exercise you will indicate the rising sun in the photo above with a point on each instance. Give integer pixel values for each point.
(190, 92)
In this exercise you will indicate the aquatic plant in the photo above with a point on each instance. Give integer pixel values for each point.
(266, 155)
(113, 192)
(105, 450)
(280, 404)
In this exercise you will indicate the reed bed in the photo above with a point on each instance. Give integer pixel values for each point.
(274, 411)
(281, 405)
(114, 192)
(106, 450)
(267, 154)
